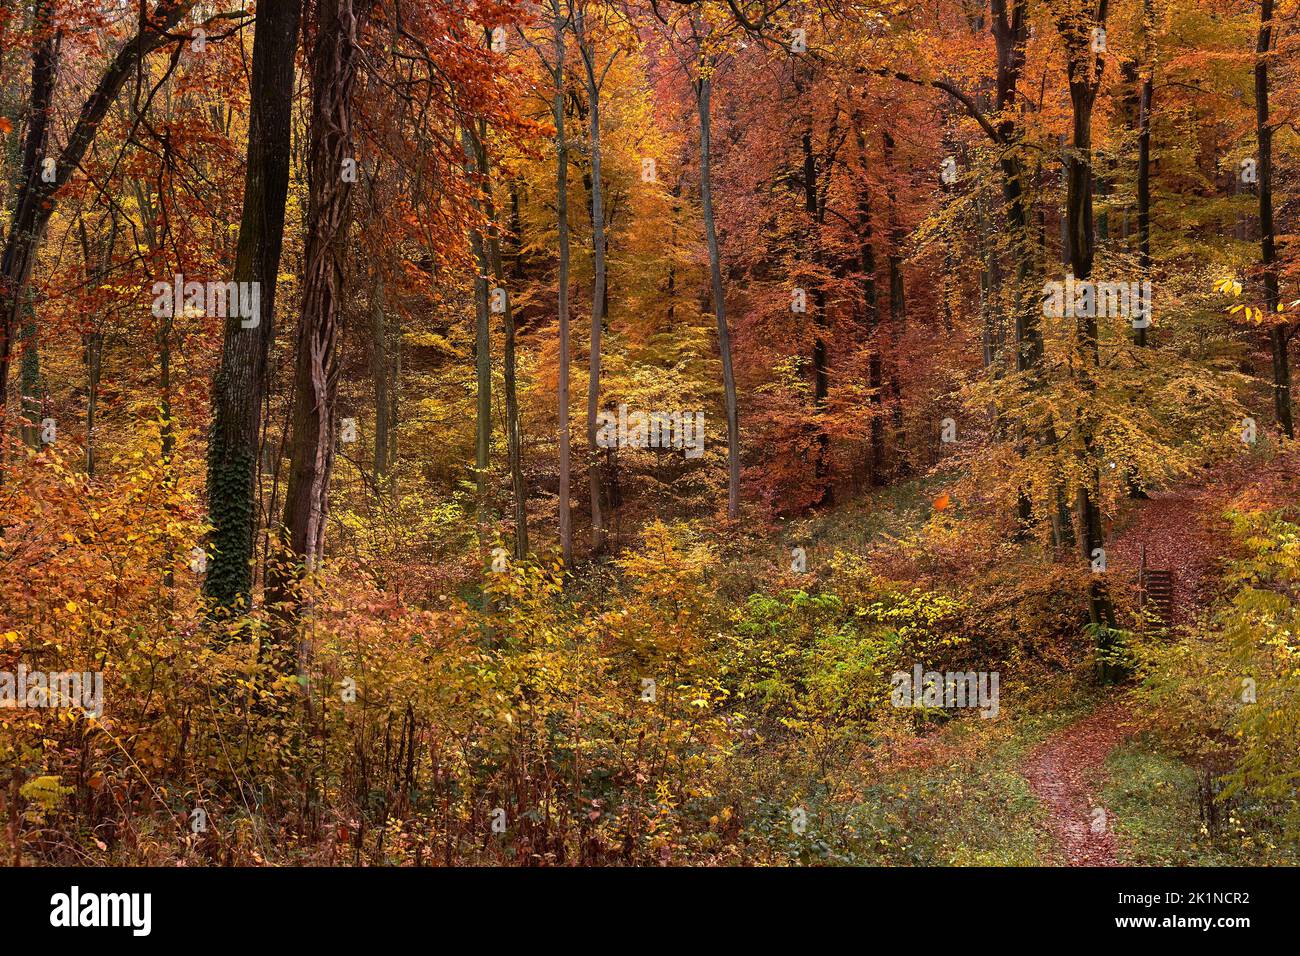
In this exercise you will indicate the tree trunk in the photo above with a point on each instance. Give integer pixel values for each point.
(1010, 34)
(596, 479)
(301, 536)
(26, 227)
(379, 377)
(1084, 77)
(482, 357)
(871, 312)
(820, 358)
(514, 434)
(29, 376)
(239, 384)
(703, 87)
(897, 311)
(1144, 157)
(562, 305)
(1279, 337)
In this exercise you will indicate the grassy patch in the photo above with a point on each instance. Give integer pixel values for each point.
(1153, 799)
(972, 806)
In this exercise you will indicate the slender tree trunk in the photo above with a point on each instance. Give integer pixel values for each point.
(1144, 156)
(27, 225)
(1085, 76)
(29, 376)
(820, 358)
(595, 472)
(238, 388)
(1145, 89)
(514, 434)
(379, 377)
(897, 311)
(703, 87)
(1279, 337)
(302, 532)
(167, 436)
(871, 310)
(562, 304)
(97, 266)
(1010, 34)
(482, 357)
(94, 345)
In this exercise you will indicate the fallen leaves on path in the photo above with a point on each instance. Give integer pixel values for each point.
(1065, 774)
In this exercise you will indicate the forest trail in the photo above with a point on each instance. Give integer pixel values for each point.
(1064, 773)
(1183, 531)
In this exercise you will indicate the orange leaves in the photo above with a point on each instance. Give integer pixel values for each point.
(942, 502)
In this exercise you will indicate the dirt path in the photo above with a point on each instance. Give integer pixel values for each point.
(1182, 530)
(1065, 774)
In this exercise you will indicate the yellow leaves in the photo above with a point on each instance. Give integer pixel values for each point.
(1228, 286)
(1250, 313)
(45, 793)
(10, 636)
(71, 607)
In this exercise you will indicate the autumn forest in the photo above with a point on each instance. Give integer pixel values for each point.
(649, 433)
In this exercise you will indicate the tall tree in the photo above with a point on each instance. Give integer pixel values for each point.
(1279, 333)
(594, 78)
(489, 246)
(703, 92)
(555, 67)
(301, 536)
(239, 386)
(1085, 65)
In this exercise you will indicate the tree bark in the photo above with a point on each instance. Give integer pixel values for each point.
(820, 355)
(238, 387)
(586, 47)
(1144, 156)
(562, 303)
(1085, 70)
(379, 377)
(301, 535)
(514, 434)
(871, 312)
(703, 87)
(1279, 334)
(482, 356)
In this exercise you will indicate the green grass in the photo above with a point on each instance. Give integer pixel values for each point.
(975, 810)
(1153, 799)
